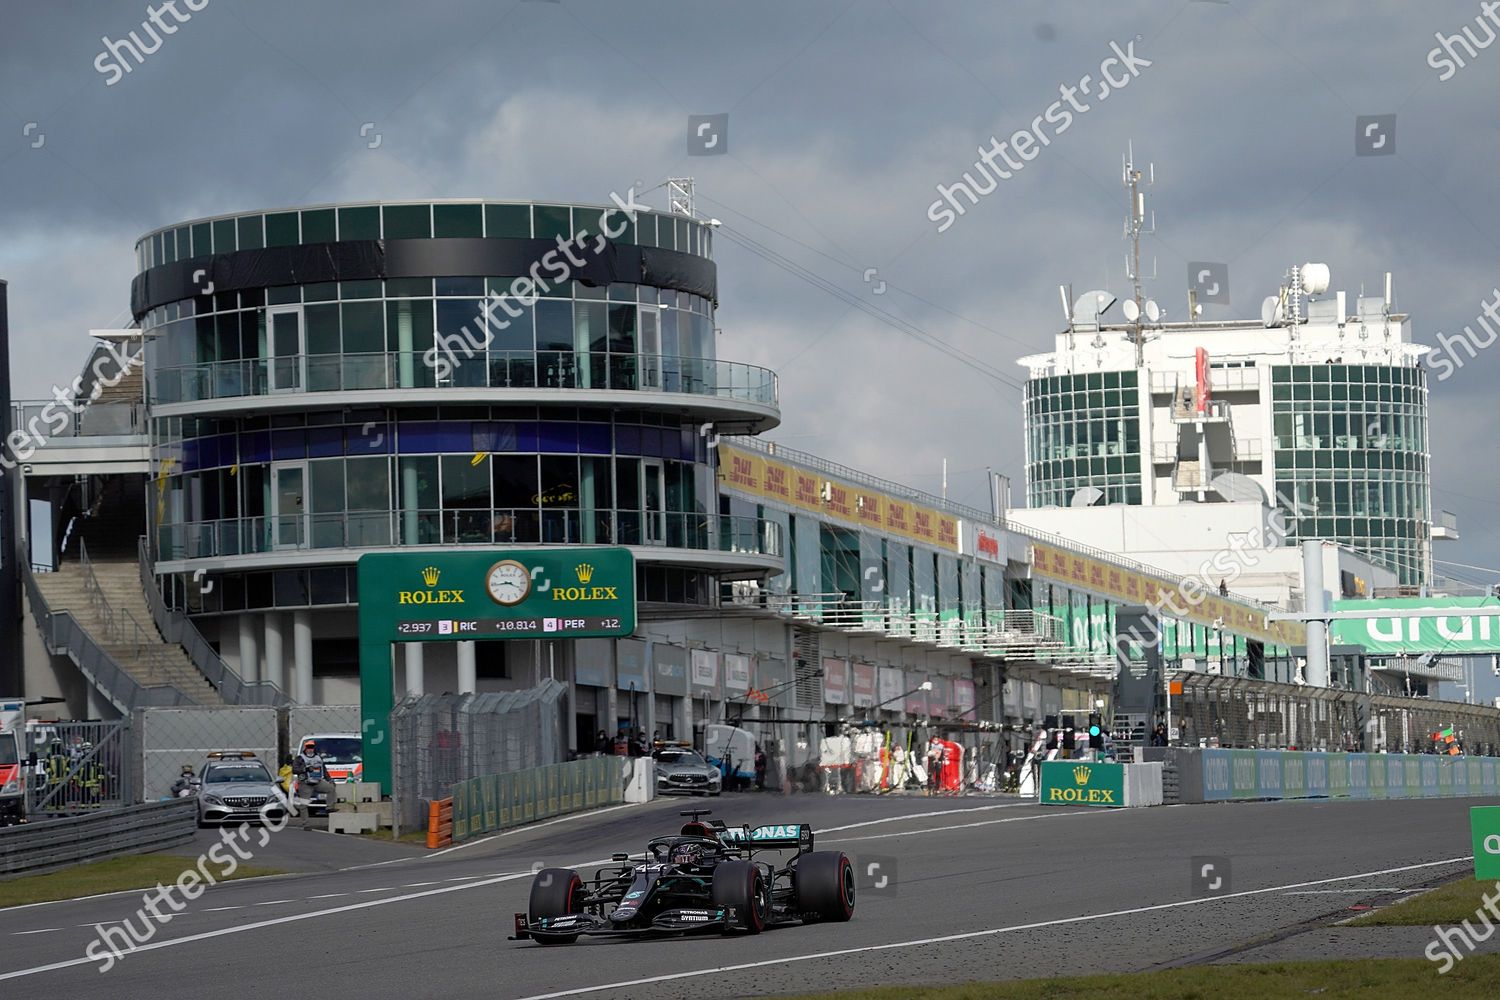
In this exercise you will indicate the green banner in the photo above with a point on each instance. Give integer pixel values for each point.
(1484, 827)
(1472, 627)
(1082, 783)
(501, 801)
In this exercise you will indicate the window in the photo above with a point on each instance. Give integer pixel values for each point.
(407, 222)
(457, 220)
(359, 223)
(282, 230)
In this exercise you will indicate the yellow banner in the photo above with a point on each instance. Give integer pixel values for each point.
(792, 486)
(1108, 580)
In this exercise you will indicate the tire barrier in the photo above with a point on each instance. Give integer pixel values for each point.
(1207, 775)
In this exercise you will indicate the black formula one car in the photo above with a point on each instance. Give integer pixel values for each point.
(708, 877)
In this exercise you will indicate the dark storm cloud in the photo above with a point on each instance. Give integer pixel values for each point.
(843, 119)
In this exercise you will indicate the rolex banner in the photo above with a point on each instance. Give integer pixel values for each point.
(1082, 783)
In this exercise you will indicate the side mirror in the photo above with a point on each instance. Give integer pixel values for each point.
(619, 857)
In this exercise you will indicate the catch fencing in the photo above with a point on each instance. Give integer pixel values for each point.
(1255, 714)
(44, 846)
(441, 740)
(165, 739)
(80, 767)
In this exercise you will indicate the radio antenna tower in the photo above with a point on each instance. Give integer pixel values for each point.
(1135, 228)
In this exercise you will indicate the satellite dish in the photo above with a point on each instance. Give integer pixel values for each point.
(1153, 311)
(1237, 487)
(1315, 278)
(1270, 312)
(1131, 310)
(1092, 304)
(1087, 497)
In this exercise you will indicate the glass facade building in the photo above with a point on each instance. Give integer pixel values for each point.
(1083, 430)
(338, 379)
(1351, 459)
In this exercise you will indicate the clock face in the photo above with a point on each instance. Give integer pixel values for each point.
(508, 582)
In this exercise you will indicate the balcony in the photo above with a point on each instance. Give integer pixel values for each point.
(294, 534)
(1185, 410)
(515, 374)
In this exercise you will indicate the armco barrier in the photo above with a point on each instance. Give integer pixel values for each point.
(36, 848)
(501, 801)
(1226, 775)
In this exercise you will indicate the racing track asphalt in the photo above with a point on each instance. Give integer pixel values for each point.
(1015, 889)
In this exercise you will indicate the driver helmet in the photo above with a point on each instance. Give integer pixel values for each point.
(687, 854)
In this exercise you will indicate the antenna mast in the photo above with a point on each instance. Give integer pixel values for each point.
(1135, 227)
(680, 198)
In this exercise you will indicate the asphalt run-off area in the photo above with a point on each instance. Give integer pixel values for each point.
(951, 889)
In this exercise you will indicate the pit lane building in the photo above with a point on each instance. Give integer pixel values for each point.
(323, 382)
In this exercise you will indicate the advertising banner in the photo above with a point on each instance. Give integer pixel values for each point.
(1130, 587)
(1073, 783)
(768, 478)
(1473, 626)
(892, 686)
(705, 672)
(737, 669)
(835, 681)
(670, 666)
(865, 680)
(630, 665)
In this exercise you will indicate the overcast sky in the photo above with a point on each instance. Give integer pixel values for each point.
(843, 118)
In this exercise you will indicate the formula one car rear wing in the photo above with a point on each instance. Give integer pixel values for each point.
(769, 836)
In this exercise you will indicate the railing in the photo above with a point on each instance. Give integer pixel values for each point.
(854, 476)
(41, 419)
(120, 626)
(986, 631)
(481, 526)
(1163, 452)
(62, 634)
(179, 628)
(35, 848)
(458, 366)
(1214, 411)
(87, 767)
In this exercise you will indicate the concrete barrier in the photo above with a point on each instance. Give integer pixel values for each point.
(1219, 775)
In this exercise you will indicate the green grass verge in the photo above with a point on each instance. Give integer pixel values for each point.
(410, 837)
(141, 871)
(1474, 977)
(1447, 904)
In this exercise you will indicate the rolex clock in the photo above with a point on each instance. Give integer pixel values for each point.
(508, 582)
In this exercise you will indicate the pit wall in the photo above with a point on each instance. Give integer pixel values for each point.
(1204, 775)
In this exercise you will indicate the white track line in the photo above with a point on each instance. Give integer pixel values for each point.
(990, 932)
(965, 826)
(39, 930)
(293, 918)
(522, 829)
(923, 815)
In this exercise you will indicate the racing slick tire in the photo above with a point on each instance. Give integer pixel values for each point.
(555, 892)
(825, 886)
(742, 885)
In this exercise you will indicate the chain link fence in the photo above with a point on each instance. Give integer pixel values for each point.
(440, 740)
(1245, 713)
(167, 739)
(80, 767)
